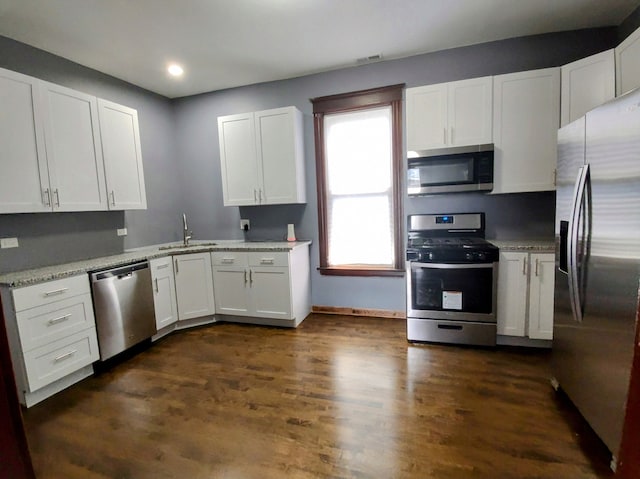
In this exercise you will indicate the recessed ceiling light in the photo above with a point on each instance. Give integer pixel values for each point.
(175, 70)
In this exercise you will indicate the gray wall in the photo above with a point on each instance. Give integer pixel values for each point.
(47, 238)
(198, 150)
(182, 169)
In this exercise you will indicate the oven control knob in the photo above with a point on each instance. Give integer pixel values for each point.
(469, 256)
(430, 256)
(482, 256)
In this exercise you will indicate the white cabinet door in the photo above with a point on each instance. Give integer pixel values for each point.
(280, 156)
(164, 292)
(427, 117)
(628, 64)
(512, 293)
(470, 112)
(194, 285)
(270, 292)
(24, 182)
(542, 276)
(74, 155)
(120, 135)
(238, 159)
(587, 83)
(525, 123)
(231, 290)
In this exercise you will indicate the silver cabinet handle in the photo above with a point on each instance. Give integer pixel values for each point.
(53, 321)
(451, 136)
(524, 265)
(47, 197)
(444, 135)
(113, 198)
(266, 260)
(537, 266)
(245, 276)
(56, 291)
(251, 276)
(157, 289)
(163, 266)
(255, 195)
(64, 356)
(177, 269)
(260, 194)
(57, 195)
(228, 260)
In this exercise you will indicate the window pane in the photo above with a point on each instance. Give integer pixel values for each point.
(360, 230)
(358, 151)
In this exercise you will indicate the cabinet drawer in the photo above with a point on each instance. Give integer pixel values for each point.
(44, 293)
(229, 258)
(268, 259)
(60, 358)
(51, 322)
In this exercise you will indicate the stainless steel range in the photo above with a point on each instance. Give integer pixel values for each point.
(452, 276)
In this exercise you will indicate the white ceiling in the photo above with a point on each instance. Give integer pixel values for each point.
(227, 43)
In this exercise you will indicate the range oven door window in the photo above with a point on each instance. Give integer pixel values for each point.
(452, 291)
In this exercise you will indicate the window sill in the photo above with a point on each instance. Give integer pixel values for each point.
(350, 271)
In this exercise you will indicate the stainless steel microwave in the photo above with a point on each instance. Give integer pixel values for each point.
(450, 170)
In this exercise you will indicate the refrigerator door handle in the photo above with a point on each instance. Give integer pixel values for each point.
(574, 228)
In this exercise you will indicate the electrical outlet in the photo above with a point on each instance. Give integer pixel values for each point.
(8, 243)
(122, 231)
(245, 225)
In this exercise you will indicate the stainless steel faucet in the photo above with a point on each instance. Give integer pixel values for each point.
(186, 234)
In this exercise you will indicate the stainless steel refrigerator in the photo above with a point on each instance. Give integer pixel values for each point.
(598, 262)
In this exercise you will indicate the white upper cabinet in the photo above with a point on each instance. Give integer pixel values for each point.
(526, 115)
(628, 64)
(24, 176)
(74, 155)
(586, 84)
(262, 157)
(449, 114)
(122, 156)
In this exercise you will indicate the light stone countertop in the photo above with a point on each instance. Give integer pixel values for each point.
(48, 273)
(532, 246)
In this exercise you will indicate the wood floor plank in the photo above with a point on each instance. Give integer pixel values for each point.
(339, 397)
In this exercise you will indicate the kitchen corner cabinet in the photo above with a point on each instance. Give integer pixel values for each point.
(450, 114)
(194, 285)
(525, 294)
(164, 292)
(262, 287)
(586, 84)
(65, 150)
(628, 64)
(262, 157)
(526, 115)
(52, 335)
(120, 136)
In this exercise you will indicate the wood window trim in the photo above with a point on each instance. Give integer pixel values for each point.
(364, 99)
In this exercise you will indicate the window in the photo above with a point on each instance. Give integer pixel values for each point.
(358, 165)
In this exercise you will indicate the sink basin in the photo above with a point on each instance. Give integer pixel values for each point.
(181, 246)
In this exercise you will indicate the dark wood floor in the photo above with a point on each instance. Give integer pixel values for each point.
(339, 397)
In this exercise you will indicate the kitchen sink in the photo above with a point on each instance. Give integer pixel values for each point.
(181, 246)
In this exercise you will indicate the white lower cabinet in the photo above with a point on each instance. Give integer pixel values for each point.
(525, 295)
(164, 292)
(52, 335)
(194, 285)
(262, 287)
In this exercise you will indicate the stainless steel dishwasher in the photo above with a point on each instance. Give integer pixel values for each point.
(123, 306)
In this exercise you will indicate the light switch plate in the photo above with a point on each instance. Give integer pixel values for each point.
(8, 243)
(122, 231)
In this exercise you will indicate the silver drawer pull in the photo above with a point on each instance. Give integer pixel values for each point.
(56, 291)
(163, 266)
(64, 356)
(266, 261)
(228, 260)
(58, 320)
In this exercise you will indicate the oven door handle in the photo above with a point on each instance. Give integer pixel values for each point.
(451, 265)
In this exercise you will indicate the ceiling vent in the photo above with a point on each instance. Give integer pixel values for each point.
(370, 59)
